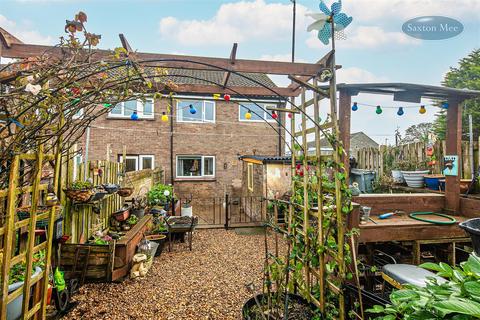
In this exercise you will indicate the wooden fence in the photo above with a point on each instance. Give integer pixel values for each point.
(380, 159)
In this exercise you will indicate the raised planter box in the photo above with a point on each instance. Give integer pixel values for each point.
(105, 262)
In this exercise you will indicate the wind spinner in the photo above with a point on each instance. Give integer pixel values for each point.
(323, 21)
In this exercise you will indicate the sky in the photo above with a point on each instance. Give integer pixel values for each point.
(375, 50)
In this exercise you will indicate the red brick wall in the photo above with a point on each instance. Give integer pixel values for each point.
(226, 139)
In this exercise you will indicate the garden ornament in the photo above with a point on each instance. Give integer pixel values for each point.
(324, 19)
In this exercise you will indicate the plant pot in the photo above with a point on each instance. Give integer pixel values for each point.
(299, 308)
(414, 179)
(110, 187)
(464, 184)
(432, 181)
(397, 176)
(186, 211)
(472, 227)
(79, 195)
(14, 308)
(160, 239)
(125, 192)
(122, 214)
(99, 195)
(138, 212)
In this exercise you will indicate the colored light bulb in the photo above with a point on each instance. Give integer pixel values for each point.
(192, 109)
(422, 110)
(164, 117)
(248, 115)
(226, 97)
(274, 115)
(134, 115)
(354, 107)
(379, 110)
(107, 105)
(290, 115)
(445, 105)
(400, 111)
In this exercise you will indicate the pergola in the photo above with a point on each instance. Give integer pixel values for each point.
(408, 92)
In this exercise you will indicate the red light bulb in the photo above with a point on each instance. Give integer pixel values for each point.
(290, 116)
(226, 97)
(274, 115)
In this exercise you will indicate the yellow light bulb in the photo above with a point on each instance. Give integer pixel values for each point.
(422, 110)
(248, 115)
(164, 117)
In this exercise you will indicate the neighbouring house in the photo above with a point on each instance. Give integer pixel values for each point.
(358, 140)
(199, 145)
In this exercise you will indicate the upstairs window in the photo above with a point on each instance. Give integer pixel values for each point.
(195, 111)
(258, 111)
(126, 108)
(195, 166)
(138, 162)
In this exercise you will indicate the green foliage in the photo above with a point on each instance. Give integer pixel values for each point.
(132, 220)
(17, 272)
(417, 133)
(456, 299)
(81, 185)
(160, 194)
(465, 76)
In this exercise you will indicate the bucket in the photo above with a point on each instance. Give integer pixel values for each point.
(432, 181)
(364, 178)
(472, 227)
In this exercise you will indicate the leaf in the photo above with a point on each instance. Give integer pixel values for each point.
(430, 266)
(462, 306)
(403, 295)
(473, 288)
(376, 309)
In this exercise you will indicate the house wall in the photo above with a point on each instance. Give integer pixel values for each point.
(225, 139)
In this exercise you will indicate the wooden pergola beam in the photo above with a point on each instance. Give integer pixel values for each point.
(233, 56)
(125, 43)
(321, 92)
(247, 91)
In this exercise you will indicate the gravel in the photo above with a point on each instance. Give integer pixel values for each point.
(206, 283)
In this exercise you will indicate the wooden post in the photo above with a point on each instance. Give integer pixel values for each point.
(453, 147)
(344, 113)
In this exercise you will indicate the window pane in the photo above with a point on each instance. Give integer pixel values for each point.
(189, 166)
(117, 109)
(147, 162)
(209, 111)
(184, 113)
(131, 164)
(256, 111)
(130, 106)
(208, 164)
(148, 108)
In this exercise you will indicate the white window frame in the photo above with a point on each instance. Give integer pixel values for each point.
(265, 113)
(140, 109)
(138, 160)
(193, 101)
(202, 166)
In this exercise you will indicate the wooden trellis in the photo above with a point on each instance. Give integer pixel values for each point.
(34, 192)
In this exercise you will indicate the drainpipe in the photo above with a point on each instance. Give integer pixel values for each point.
(171, 143)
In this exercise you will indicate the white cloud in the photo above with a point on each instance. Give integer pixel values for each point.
(236, 22)
(358, 75)
(366, 37)
(24, 32)
(283, 57)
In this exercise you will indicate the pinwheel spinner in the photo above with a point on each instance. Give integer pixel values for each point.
(323, 20)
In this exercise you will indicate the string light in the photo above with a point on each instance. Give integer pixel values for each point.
(422, 110)
(354, 107)
(107, 105)
(164, 117)
(379, 110)
(192, 109)
(134, 115)
(445, 105)
(274, 115)
(248, 115)
(290, 115)
(400, 111)
(226, 97)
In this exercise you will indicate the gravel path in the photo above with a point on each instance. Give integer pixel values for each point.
(206, 283)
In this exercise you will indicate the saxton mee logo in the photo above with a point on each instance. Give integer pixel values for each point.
(432, 28)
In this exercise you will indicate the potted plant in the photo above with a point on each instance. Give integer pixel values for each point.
(132, 220)
(186, 210)
(160, 195)
(414, 173)
(138, 206)
(80, 191)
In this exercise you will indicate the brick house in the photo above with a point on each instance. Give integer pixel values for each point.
(198, 146)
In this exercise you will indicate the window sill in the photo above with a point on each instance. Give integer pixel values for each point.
(128, 118)
(199, 179)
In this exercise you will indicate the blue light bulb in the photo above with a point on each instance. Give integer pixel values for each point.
(400, 111)
(192, 109)
(354, 107)
(134, 115)
(445, 105)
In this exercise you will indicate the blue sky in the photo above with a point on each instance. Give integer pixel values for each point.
(375, 50)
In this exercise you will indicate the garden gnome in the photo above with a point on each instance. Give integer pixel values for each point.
(138, 269)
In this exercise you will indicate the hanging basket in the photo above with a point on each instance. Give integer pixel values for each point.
(79, 195)
(125, 191)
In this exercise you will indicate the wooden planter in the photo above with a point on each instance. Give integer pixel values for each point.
(105, 263)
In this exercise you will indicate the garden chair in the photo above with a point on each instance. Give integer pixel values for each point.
(177, 224)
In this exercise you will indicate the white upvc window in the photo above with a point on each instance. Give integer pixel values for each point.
(125, 109)
(258, 111)
(198, 111)
(138, 162)
(195, 166)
